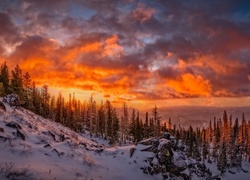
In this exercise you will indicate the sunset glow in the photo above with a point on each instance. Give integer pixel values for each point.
(169, 53)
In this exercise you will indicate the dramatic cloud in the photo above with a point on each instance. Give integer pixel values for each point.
(131, 50)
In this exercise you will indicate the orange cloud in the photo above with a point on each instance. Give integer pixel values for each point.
(191, 85)
(112, 48)
(143, 13)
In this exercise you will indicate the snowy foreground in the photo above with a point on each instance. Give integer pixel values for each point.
(42, 149)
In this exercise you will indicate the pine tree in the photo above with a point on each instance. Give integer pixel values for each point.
(17, 83)
(124, 122)
(132, 126)
(146, 127)
(101, 120)
(5, 78)
(235, 145)
(36, 99)
(109, 128)
(45, 101)
(190, 141)
(2, 92)
(27, 84)
(59, 109)
(157, 121)
(115, 126)
(222, 162)
(52, 108)
(204, 145)
(169, 125)
(225, 128)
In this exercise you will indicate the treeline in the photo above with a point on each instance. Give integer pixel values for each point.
(99, 119)
(225, 141)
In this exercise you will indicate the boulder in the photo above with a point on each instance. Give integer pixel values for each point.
(13, 125)
(2, 107)
(12, 100)
(20, 133)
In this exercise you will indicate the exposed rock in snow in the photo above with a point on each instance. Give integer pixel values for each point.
(132, 150)
(12, 100)
(2, 107)
(20, 133)
(170, 160)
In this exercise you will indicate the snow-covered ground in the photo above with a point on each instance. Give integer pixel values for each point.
(44, 155)
(52, 151)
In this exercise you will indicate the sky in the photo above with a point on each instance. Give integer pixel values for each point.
(143, 52)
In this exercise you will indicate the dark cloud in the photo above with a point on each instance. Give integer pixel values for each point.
(148, 49)
(8, 31)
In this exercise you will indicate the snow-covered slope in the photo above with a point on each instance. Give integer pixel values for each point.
(32, 147)
(41, 149)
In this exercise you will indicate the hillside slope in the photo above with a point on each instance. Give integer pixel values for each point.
(36, 148)
(32, 147)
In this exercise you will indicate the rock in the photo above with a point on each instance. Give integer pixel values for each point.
(58, 153)
(12, 100)
(47, 146)
(4, 138)
(132, 150)
(13, 125)
(62, 137)
(2, 106)
(52, 135)
(245, 171)
(164, 152)
(20, 134)
(185, 176)
(99, 151)
(1, 129)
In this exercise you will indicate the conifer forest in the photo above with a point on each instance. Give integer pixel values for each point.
(225, 140)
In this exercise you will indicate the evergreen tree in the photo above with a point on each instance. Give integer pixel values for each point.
(157, 121)
(101, 120)
(5, 78)
(204, 145)
(2, 92)
(115, 126)
(109, 114)
(124, 122)
(190, 141)
(27, 84)
(235, 145)
(146, 127)
(132, 127)
(17, 82)
(59, 109)
(225, 128)
(222, 162)
(45, 101)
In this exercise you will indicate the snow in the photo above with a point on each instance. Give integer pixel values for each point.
(39, 156)
(43, 154)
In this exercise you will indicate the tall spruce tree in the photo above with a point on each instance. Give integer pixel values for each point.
(17, 83)
(157, 121)
(5, 78)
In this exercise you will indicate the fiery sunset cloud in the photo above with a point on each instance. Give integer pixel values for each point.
(125, 50)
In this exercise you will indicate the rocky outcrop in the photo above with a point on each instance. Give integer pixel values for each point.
(2, 107)
(171, 161)
(12, 100)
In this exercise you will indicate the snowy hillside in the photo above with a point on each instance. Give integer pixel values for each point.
(49, 150)
(36, 148)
